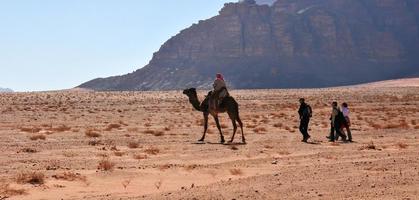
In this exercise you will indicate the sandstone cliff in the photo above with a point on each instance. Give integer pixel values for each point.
(293, 43)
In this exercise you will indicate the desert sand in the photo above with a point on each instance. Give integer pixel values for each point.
(142, 145)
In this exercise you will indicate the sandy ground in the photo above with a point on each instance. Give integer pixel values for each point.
(142, 145)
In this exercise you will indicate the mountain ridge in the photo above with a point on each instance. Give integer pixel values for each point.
(5, 90)
(291, 44)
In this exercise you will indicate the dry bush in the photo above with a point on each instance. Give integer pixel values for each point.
(166, 128)
(278, 125)
(153, 132)
(70, 176)
(7, 191)
(126, 183)
(106, 165)
(417, 127)
(375, 126)
(260, 130)
(37, 137)
(147, 125)
(236, 172)
(123, 123)
(112, 126)
(69, 154)
(191, 167)
(158, 184)
(164, 167)
(152, 150)
(133, 145)
(118, 153)
(369, 146)
(134, 129)
(29, 150)
(224, 125)
(92, 133)
(61, 128)
(284, 152)
(140, 156)
(265, 121)
(95, 142)
(30, 130)
(402, 145)
(34, 178)
(251, 126)
(401, 125)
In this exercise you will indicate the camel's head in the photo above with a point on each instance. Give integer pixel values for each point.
(189, 92)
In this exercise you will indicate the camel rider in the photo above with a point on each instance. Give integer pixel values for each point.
(220, 89)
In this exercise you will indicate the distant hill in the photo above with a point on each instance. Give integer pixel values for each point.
(291, 44)
(5, 90)
(407, 82)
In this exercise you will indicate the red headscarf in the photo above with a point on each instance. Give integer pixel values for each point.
(220, 76)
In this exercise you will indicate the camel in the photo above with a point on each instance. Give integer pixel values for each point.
(228, 105)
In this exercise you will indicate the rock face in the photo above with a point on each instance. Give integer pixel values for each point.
(293, 43)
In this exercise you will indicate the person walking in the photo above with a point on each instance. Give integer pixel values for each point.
(347, 123)
(336, 120)
(305, 114)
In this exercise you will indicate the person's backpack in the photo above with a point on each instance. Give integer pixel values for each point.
(310, 111)
(307, 111)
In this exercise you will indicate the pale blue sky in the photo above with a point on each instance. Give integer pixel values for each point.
(59, 44)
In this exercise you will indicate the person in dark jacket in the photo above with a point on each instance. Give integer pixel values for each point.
(336, 119)
(305, 114)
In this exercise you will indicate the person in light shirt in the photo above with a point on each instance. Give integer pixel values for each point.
(347, 124)
(220, 90)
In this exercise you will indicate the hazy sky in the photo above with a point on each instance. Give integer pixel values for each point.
(59, 44)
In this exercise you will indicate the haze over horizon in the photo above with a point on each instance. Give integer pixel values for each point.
(58, 45)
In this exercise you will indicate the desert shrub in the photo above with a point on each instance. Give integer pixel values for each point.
(95, 142)
(37, 137)
(118, 153)
(369, 146)
(92, 133)
(7, 191)
(70, 176)
(153, 132)
(30, 130)
(401, 125)
(29, 150)
(278, 125)
(140, 156)
(260, 130)
(106, 165)
(236, 172)
(135, 129)
(152, 150)
(402, 145)
(61, 128)
(133, 145)
(34, 178)
(112, 126)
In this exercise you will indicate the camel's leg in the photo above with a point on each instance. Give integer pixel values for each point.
(241, 127)
(205, 126)
(233, 120)
(219, 129)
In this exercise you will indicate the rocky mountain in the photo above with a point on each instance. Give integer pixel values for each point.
(290, 44)
(5, 90)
